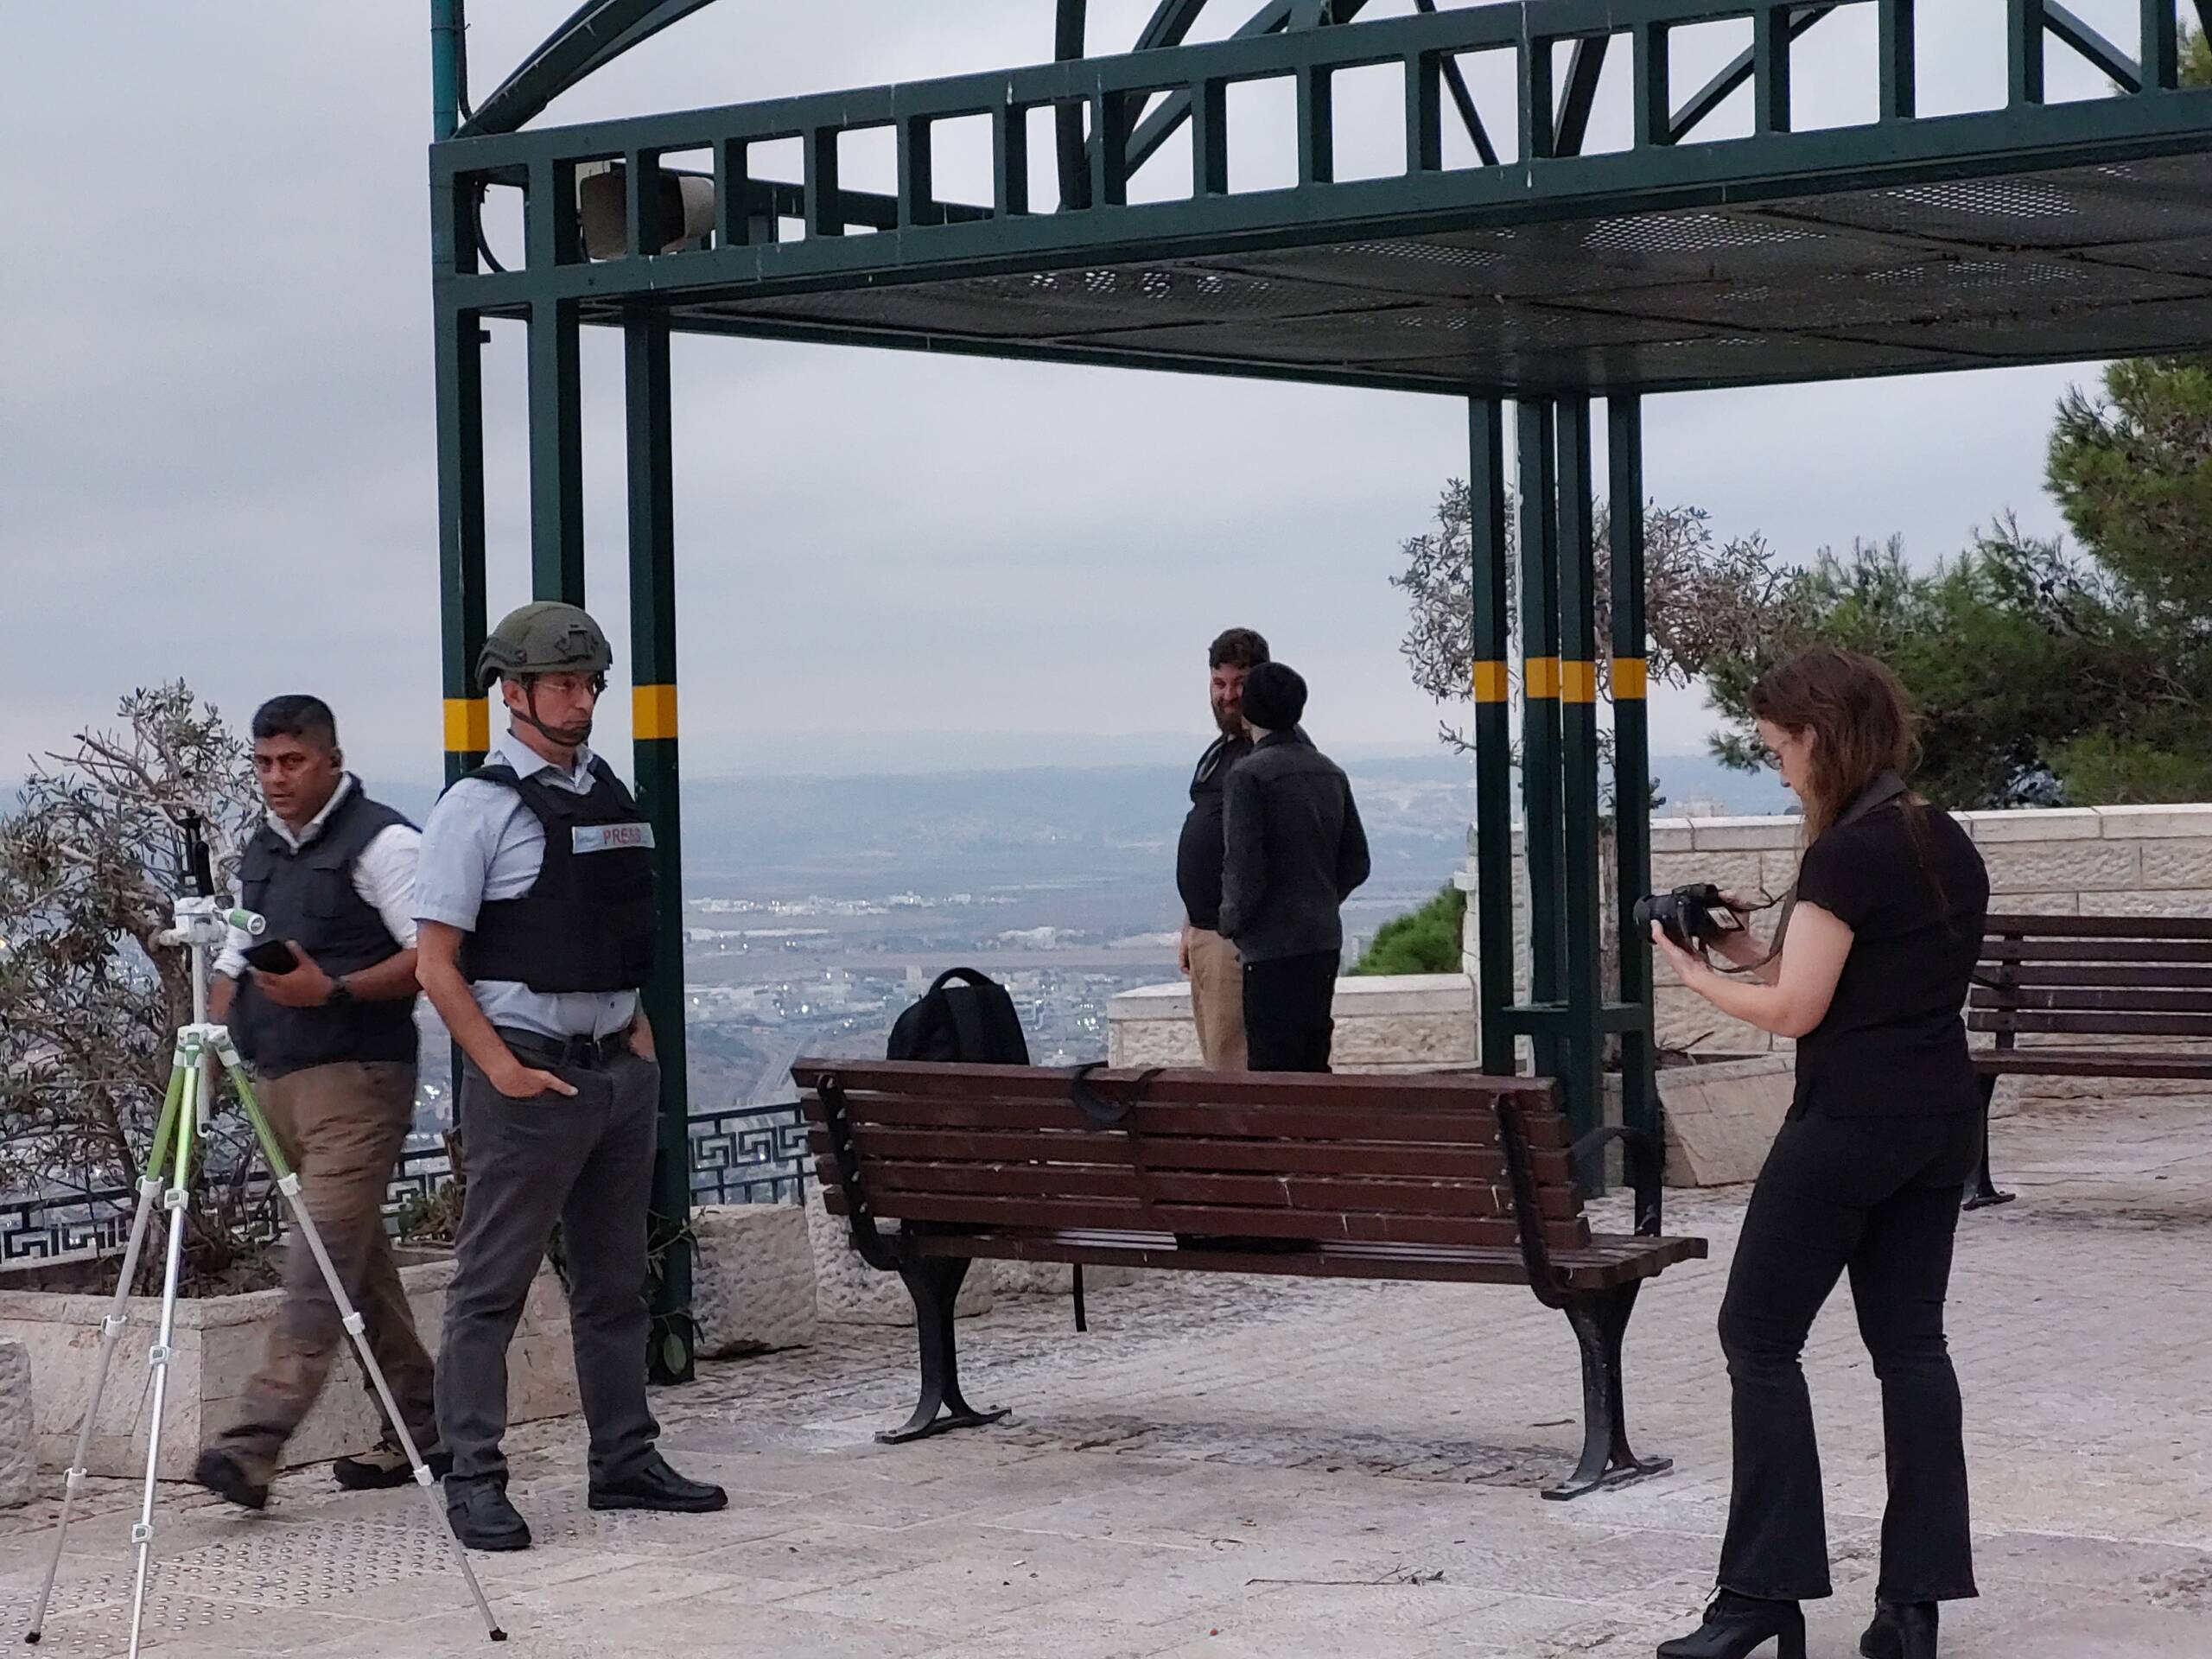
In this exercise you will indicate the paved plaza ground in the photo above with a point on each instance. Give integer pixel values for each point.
(1236, 1468)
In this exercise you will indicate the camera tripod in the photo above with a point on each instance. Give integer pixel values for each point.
(201, 923)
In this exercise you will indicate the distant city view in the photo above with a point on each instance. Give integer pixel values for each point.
(817, 909)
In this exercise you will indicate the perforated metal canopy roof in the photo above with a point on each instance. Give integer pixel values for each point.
(2070, 264)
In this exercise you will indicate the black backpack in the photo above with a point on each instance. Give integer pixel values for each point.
(974, 1022)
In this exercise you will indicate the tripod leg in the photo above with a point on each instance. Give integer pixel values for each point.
(288, 1183)
(142, 1216)
(174, 1202)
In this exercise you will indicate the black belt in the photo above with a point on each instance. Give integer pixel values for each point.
(589, 1053)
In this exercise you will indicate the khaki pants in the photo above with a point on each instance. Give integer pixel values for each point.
(1217, 1000)
(341, 1126)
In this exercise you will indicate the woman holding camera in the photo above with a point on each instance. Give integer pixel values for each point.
(1867, 1175)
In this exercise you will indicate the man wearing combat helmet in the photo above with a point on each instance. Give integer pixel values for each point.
(535, 899)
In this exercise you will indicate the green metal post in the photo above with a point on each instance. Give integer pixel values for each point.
(556, 482)
(653, 652)
(1631, 759)
(2161, 46)
(1486, 504)
(1578, 713)
(457, 356)
(449, 67)
(649, 447)
(1899, 45)
(1539, 717)
(2025, 24)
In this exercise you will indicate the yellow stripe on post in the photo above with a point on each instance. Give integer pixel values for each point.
(468, 724)
(1540, 674)
(1630, 678)
(1491, 683)
(652, 712)
(1578, 681)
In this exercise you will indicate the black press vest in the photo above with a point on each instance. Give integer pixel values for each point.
(589, 922)
(309, 896)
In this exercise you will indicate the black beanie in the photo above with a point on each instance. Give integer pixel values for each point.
(1275, 696)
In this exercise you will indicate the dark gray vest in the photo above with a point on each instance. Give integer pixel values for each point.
(308, 896)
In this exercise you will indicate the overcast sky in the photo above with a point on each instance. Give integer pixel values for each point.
(216, 435)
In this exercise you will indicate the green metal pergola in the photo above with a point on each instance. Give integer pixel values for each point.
(1513, 267)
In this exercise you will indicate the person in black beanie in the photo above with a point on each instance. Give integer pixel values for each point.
(1294, 851)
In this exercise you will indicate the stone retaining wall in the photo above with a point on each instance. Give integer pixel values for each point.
(2111, 861)
(1413, 1022)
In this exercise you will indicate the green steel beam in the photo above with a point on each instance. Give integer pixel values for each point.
(2103, 56)
(1584, 65)
(1488, 501)
(1650, 178)
(1577, 715)
(2161, 45)
(1631, 761)
(557, 484)
(653, 708)
(1773, 27)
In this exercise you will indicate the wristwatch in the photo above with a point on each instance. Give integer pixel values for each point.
(339, 996)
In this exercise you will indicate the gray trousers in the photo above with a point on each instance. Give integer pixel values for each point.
(584, 1160)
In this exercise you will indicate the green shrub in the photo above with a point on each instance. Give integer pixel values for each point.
(1425, 941)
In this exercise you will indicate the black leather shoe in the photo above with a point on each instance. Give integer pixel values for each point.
(482, 1518)
(1901, 1630)
(1737, 1626)
(657, 1486)
(223, 1475)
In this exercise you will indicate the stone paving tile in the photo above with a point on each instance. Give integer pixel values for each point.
(1232, 1467)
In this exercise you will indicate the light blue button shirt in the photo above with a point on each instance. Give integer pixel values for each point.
(481, 844)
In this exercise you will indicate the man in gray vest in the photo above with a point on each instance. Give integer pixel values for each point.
(332, 1039)
(535, 898)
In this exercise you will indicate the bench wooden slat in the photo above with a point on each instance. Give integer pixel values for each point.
(2100, 927)
(2091, 1062)
(1128, 1184)
(1225, 1220)
(2119, 949)
(2152, 975)
(2135, 999)
(1153, 1119)
(1455, 1162)
(1177, 1086)
(2026, 1021)
(1606, 1262)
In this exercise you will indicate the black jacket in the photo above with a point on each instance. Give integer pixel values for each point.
(1198, 854)
(1294, 851)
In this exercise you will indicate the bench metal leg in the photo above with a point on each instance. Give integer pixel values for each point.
(934, 1283)
(1985, 1191)
(1600, 1321)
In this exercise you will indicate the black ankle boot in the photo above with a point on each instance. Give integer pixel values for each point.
(1901, 1629)
(1737, 1626)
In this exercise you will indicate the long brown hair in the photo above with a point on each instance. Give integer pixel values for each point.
(1861, 721)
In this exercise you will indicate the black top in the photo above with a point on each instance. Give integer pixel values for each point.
(1894, 1042)
(1294, 851)
(588, 922)
(307, 894)
(1198, 855)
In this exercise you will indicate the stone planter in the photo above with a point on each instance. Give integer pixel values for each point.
(1721, 1117)
(752, 1279)
(218, 1342)
(846, 1291)
(18, 1455)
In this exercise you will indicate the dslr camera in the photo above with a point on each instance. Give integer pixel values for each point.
(1690, 917)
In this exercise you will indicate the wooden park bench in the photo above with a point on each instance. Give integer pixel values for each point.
(2100, 977)
(1461, 1178)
